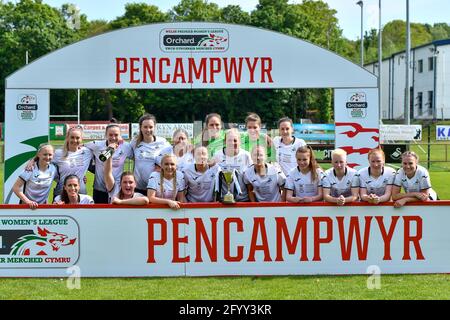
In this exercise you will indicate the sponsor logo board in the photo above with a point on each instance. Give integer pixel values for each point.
(38, 242)
(194, 40)
(27, 107)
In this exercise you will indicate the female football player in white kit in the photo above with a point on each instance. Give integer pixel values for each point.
(234, 159)
(181, 148)
(73, 159)
(71, 192)
(340, 183)
(146, 148)
(304, 182)
(286, 145)
(123, 151)
(415, 181)
(33, 187)
(376, 180)
(124, 190)
(168, 186)
(264, 181)
(200, 177)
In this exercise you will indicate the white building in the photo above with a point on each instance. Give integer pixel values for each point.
(430, 82)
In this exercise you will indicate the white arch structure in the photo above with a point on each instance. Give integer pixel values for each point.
(164, 242)
(187, 56)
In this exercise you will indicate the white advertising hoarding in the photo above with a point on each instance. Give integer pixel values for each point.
(112, 242)
(442, 132)
(356, 123)
(26, 127)
(215, 241)
(400, 133)
(166, 130)
(96, 131)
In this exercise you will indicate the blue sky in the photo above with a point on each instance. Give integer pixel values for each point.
(348, 13)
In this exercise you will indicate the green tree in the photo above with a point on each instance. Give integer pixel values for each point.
(323, 104)
(394, 36)
(93, 28)
(270, 14)
(439, 31)
(195, 10)
(125, 105)
(29, 26)
(234, 14)
(137, 14)
(313, 21)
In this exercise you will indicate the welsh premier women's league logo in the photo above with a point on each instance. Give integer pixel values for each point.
(38, 242)
(189, 40)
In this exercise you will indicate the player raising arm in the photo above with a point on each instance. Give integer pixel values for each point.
(122, 191)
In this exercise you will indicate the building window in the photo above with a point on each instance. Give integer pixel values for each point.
(420, 66)
(420, 102)
(430, 64)
(430, 100)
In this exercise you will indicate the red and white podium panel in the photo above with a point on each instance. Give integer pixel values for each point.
(217, 240)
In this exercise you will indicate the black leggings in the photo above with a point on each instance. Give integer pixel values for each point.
(100, 197)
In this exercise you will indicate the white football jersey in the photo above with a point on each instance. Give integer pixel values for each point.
(302, 184)
(286, 153)
(82, 199)
(154, 183)
(420, 181)
(200, 185)
(135, 195)
(182, 162)
(145, 156)
(340, 187)
(266, 188)
(37, 183)
(376, 185)
(76, 163)
(239, 163)
(123, 152)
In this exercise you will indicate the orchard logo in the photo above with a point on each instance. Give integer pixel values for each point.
(189, 40)
(38, 242)
(357, 105)
(27, 107)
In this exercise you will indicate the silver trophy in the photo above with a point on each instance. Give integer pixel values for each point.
(228, 198)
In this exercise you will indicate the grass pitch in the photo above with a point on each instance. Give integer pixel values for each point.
(402, 287)
(251, 288)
